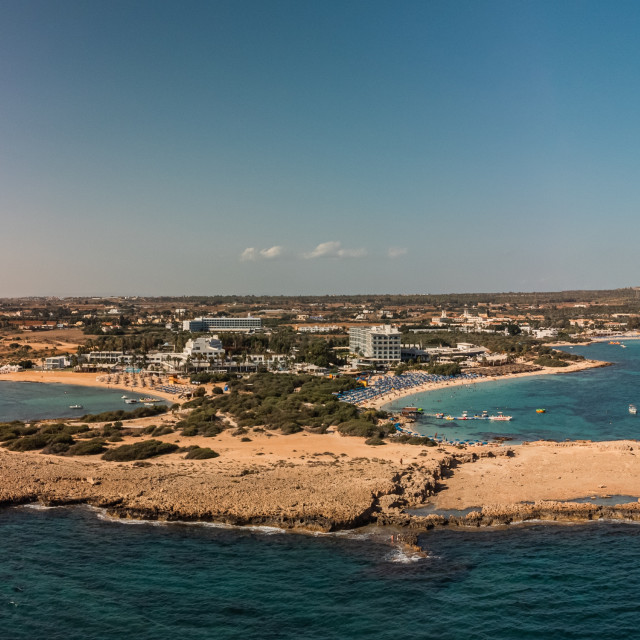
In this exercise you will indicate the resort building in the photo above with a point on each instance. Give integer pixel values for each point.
(223, 324)
(57, 362)
(204, 348)
(377, 344)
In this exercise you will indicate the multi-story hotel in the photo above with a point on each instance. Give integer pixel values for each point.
(379, 344)
(223, 324)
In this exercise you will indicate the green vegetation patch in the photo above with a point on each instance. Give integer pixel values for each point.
(201, 453)
(140, 412)
(87, 447)
(139, 451)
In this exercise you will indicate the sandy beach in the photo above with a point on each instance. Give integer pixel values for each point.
(83, 380)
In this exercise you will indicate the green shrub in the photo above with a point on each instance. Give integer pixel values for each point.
(87, 447)
(139, 451)
(11, 430)
(201, 453)
(424, 440)
(140, 412)
(360, 428)
(56, 448)
(375, 441)
(288, 429)
(550, 361)
(29, 443)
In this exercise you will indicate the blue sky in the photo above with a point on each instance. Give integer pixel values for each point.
(285, 147)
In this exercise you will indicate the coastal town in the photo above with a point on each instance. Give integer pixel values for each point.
(286, 392)
(320, 336)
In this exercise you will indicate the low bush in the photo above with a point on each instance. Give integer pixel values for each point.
(119, 415)
(139, 451)
(155, 431)
(87, 447)
(375, 441)
(29, 443)
(201, 453)
(56, 448)
(360, 428)
(550, 361)
(425, 441)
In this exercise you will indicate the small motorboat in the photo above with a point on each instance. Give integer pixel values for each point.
(501, 417)
(541, 411)
(124, 397)
(633, 409)
(76, 406)
(131, 401)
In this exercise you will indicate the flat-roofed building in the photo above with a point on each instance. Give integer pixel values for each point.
(379, 343)
(223, 324)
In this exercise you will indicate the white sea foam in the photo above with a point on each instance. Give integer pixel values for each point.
(39, 507)
(406, 557)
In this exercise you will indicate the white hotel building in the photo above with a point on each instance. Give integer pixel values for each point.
(223, 324)
(378, 344)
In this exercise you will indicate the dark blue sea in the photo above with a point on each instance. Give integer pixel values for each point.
(72, 574)
(67, 574)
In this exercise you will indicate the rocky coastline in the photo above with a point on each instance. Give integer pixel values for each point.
(319, 496)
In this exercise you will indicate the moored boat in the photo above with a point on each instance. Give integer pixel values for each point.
(501, 417)
(76, 406)
(633, 409)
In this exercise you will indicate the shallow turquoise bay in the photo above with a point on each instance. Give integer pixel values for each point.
(591, 404)
(36, 401)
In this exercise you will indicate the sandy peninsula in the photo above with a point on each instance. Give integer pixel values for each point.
(329, 482)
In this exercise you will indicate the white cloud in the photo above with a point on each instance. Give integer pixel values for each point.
(273, 252)
(248, 254)
(251, 254)
(333, 249)
(396, 252)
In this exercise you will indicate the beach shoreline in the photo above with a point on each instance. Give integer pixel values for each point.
(384, 400)
(83, 380)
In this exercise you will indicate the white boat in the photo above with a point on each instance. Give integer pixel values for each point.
(124, 397)
(76, 406)
(131, 401)
(632, 409)
(501, 417)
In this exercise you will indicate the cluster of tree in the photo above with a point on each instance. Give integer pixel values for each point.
(120, 414)
(286, 402)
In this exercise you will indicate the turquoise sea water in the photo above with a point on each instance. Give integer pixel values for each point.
(592, 404)
(35, 401)
(65, 574)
